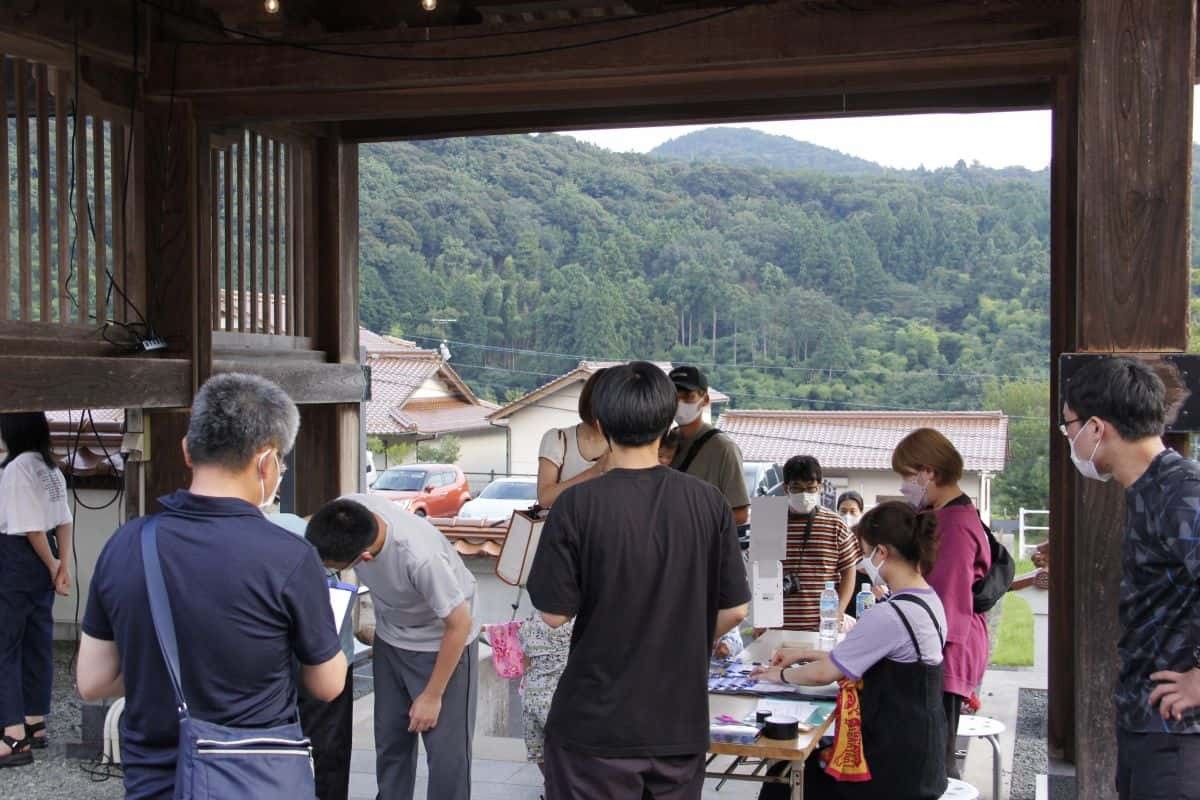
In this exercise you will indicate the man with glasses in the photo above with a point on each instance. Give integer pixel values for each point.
(1113, 417)
(820, 548)
(425, 639)
(248, 599)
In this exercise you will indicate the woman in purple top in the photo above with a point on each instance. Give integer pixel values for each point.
(930, 468)
(896, 651)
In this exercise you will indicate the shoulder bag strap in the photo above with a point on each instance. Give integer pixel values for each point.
(908, 627)
(914, 599)
(160, 607)
(695, 449)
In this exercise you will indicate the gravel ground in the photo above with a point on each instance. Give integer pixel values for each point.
(53, 776)
(1029, 750)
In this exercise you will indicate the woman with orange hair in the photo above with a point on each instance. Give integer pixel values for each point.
(930, 468)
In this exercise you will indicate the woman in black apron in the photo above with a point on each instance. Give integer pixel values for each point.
(895, 650)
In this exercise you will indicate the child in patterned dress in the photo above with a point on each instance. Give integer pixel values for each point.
(546, 650)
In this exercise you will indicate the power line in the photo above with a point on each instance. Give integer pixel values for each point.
(715, 365)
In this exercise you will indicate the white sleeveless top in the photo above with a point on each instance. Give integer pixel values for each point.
(560, 446)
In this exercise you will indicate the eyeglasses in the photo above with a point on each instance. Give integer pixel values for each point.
(1065, 426)
(802, 488)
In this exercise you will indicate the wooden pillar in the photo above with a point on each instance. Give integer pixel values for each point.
(1060, 727)
(328, 451)
(1134, 164)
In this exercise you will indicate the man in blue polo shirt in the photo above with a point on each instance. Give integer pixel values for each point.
(247, 597)
(1113, 417)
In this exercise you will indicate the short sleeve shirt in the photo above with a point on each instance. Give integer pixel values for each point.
(416, 580)
(33, 496)
(719, 463)
(649, 547)
(247, 598)
(560, 446)
(1160, 590)
(810, 562)
(880, 634)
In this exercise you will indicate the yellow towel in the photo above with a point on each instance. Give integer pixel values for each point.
(845, 760)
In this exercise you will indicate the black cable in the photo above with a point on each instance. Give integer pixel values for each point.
(435, 59)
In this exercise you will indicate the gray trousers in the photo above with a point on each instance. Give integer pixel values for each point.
(400, 676)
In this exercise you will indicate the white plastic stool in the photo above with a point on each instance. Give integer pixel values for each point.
(990, 729)
(960, 790)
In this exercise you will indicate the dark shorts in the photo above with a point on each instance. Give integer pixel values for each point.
(1158, 766)
(574, 776)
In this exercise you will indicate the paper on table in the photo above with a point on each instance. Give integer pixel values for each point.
(340, 599)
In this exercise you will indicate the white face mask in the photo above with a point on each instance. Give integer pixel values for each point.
(804, 502)
(1087, 467)
(686, 413)
(268, 500)
(851, 519)
(873, 571)
(914, 491)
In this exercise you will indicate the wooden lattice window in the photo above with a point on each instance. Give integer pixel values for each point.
(65, 218)
(261, 218)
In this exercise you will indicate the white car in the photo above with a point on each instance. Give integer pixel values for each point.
(500, 499)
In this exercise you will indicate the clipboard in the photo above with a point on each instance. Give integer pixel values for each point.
(520, 546)
(342, 597)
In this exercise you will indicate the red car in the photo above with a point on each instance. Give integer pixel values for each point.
(427, 490)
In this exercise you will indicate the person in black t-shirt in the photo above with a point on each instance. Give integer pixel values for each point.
(647, 545)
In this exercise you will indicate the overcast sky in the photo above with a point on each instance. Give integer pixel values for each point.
(935, 140)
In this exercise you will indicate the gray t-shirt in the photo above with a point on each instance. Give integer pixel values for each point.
(719, 463)
(416, 580)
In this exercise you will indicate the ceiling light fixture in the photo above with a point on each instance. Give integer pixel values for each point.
(272, 6)
(429, 5)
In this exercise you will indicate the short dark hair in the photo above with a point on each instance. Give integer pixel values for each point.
(913, 535)
(342, 530)
(585, 397)
(1121, 391)
(26, 432)
(634, 403)
(802, 468)
(853, 497)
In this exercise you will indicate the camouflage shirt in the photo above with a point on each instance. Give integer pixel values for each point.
(1160, 589)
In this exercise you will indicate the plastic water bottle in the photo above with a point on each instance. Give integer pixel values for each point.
(863, 600)
(830, 616)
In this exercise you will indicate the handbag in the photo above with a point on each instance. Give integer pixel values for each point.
(988, 590)
(220, 761)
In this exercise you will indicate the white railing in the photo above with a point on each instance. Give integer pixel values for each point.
(1023, 549)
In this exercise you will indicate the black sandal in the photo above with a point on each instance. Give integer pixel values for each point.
(20, 752)
(37, 742)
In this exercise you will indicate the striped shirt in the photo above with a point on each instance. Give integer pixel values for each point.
(830, 550)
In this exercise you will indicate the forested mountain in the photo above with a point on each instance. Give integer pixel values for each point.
(901, 289)
(747, 147)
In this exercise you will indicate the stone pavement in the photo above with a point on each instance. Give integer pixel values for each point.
(999, 697)
(498, 772)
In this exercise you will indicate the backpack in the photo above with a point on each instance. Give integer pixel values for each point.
(989, 589)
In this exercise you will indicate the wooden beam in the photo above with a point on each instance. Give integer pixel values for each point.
(102, 27)
(1134, 198)
(324, 429)
(837, 80)
(99, 219)
(41, 85)
(166, 470)
(703, 108)
(62, 197)
(82, 230)
(337, 222)
(24, 213)
(36, 383)
(304, 381)
(5, 220)
(785, 32)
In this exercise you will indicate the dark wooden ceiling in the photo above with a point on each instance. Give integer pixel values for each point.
(377, 16)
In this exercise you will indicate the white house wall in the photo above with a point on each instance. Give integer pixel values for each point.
(92, 530)
(483, 453)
